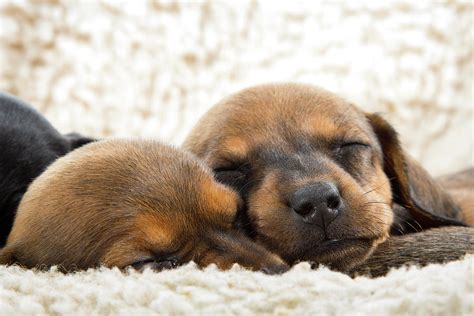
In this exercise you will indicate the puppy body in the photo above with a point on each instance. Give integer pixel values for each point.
(28, 144)
(320, 178)
(461, 187)
(436, 245)
(130, 203)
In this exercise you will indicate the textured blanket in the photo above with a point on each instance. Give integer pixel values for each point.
(433, 290)
(150, 69)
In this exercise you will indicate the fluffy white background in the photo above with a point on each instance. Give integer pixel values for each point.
(152, 68)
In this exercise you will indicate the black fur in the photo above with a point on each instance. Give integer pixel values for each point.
(28, 144)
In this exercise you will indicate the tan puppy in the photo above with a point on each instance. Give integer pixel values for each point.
(121, 203)
(319, 177)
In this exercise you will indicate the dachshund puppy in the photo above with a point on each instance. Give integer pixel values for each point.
(28, 144)
(318, 176)
(121, 203)
(436, 245)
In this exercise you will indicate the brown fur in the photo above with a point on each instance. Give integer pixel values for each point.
(121, 203)
(268, 141)
(461, 187)
(436, 245)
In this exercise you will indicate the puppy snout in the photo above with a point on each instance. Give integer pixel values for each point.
(318, 203)
(275, 269)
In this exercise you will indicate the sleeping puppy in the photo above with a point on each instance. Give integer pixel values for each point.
(28, 144)
(130, 203)
(320, 178)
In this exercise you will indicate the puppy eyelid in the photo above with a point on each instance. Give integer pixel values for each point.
(225, 161)
(141, 261)
(156, 264)
(227, 168)
(168, 254)
(353, 143)
(238, 167)
(350, 146)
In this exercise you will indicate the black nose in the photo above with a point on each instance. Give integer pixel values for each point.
(318, 203)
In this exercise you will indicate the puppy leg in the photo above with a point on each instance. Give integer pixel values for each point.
(437, 245)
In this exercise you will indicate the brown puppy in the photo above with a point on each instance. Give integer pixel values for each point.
(318, 176)
(436, 245)
(121, 203)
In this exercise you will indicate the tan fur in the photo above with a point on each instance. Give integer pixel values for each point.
(119, 202)
(219, 206)
(285, 135)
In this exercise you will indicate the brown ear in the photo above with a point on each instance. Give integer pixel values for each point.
(412, 187)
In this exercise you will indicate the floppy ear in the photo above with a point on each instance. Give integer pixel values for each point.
(77, 140)
(412, 187)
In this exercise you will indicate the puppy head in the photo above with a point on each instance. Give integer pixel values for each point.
(130, 203)
(29, 144)
(311, 168)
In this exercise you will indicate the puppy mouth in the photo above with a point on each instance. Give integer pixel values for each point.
(332, 245)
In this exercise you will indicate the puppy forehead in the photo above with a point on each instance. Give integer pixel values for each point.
(347, 124)
(290, 126)
(266, 109)
(237, 143)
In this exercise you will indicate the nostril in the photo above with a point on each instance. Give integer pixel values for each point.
(317, 202)
(275, 269)
(333, 201)
(304, 209)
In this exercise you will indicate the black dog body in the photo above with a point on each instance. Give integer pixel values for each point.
(28, 145)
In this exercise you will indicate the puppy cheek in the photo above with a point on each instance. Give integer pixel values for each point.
(369, 211)
(380, 211)
(275, 226)
(267, 215)
(373, 221)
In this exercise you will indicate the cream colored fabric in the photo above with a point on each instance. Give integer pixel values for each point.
(152, 68)
(433, 290)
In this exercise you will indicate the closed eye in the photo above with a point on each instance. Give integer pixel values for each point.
(234, 176)
(155, 264)
(352, 145)
(229, 174)
(349, 144)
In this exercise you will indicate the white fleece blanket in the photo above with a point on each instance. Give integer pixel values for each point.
(139, 68)
(433, 290)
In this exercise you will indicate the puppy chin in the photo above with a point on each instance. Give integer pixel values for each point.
(342, 255)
